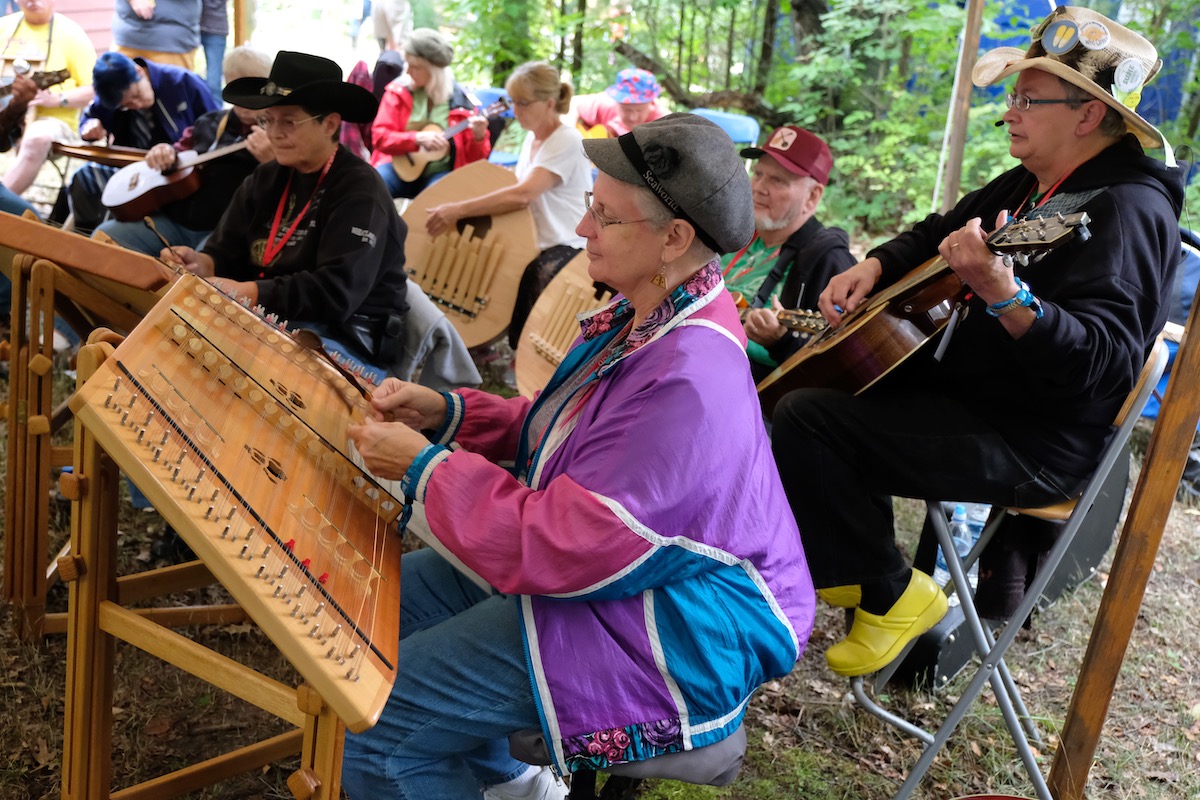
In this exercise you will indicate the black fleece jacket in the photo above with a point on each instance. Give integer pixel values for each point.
(1054, 392)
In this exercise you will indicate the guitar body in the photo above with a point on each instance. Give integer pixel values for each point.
(890, 326)
(473, 270)
(592, 131)
(138, 190)
(409, 166)
(873, 339)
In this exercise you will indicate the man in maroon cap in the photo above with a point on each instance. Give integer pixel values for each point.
(792, 255)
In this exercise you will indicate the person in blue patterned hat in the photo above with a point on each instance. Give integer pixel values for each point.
(632, 100)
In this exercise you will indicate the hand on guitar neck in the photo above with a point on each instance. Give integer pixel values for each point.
(434, 143)
(766, 326)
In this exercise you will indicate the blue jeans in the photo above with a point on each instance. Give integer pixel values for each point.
(139, 238)
(463, 687)
(399, 188)
(214, 54)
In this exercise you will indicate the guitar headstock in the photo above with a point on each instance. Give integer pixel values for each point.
(44, 80)
(497, 108)
(803, 320)
(1023, 238)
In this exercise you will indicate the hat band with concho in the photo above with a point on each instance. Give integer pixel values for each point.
(1104, 58)
(300, 79)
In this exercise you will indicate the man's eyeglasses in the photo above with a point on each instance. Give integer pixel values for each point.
(284, 126)
(1022, 102)
(602, 222)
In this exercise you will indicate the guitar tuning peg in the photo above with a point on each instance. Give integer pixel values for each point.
(1008, 260)
(1023, 259)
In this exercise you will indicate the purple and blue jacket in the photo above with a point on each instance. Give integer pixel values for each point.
(635, 508)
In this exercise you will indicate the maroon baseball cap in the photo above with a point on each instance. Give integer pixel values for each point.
(798, 151)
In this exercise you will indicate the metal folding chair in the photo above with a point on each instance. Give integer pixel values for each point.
(991, 650)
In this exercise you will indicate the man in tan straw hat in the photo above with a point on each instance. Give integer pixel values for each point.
(1015, 405)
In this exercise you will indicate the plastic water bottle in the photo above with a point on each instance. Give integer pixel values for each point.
(977, 517)
(960, 533)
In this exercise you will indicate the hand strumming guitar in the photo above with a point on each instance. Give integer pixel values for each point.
(847, 289)
(432, 141)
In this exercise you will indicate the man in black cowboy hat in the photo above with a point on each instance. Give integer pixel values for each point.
(313, 236)
(1017, 406)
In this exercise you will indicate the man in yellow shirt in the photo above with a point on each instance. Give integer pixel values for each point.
(49, 42)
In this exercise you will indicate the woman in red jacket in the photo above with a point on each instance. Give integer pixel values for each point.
(410, 150)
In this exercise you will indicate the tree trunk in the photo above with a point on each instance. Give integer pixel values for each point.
(577, 50)
(729, 47)
(766, 56)
(806, 21)
(750, 102)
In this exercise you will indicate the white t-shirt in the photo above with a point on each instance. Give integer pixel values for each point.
(556, 212)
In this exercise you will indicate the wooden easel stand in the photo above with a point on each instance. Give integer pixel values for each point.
(96, 620)
(1132, 564)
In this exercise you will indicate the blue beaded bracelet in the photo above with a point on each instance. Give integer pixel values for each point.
(1022, 299)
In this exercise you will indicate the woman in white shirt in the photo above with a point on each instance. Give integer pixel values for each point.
(553, 174)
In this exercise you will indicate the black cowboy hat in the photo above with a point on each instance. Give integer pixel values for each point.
(300, 79)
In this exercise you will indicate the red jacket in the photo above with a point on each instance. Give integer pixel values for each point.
(389, 137)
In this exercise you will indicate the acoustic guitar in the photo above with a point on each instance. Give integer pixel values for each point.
(892, 325)
(42, 80)
(409, 166)
(138, 189)
(592, 131)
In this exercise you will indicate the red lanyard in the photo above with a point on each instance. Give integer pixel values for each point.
(1046, 196)
(738, 257)
(272, 247)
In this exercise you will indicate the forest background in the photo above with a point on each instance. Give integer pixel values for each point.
(873, 79)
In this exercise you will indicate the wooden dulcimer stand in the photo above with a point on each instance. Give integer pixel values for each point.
(98, 619)
(238, 437)
(89, 283)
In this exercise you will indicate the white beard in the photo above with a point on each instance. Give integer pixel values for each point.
(765, 223)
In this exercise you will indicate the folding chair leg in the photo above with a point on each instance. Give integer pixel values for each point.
(984, 642)
(989, 671)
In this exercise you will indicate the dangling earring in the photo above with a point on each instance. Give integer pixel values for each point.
(660, 280)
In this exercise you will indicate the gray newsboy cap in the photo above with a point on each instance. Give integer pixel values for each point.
(430, 45)
(693, 168)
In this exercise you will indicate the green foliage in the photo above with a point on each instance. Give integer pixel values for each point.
(877, 83)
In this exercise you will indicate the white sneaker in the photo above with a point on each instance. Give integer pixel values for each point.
(545, 786)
